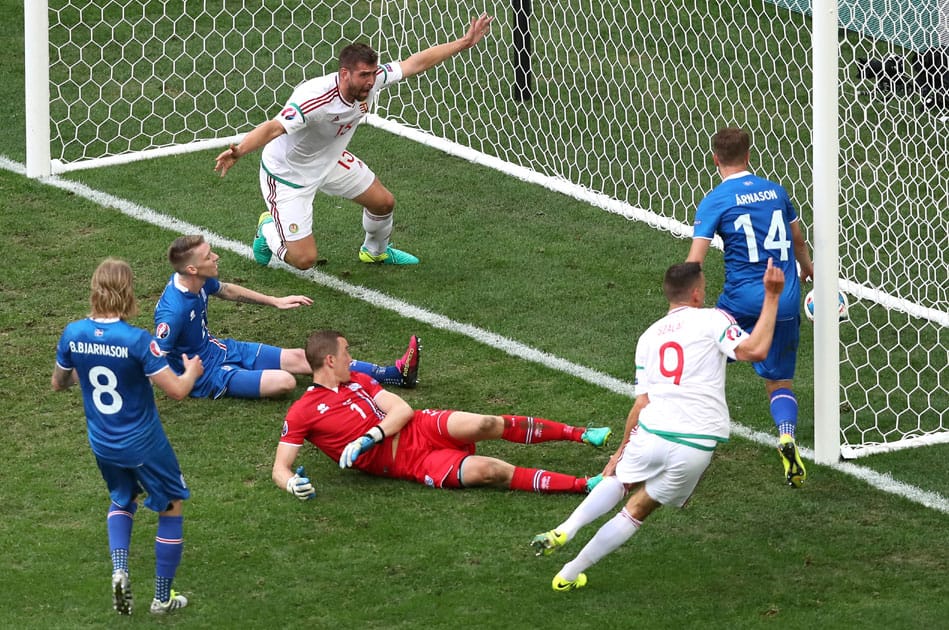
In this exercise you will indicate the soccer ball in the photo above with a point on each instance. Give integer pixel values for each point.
(842, 306)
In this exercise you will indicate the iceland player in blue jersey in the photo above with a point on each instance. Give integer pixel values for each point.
(757, 221)
(115, 365)
(234, 368)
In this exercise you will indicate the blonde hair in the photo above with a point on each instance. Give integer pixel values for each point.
(112, 292)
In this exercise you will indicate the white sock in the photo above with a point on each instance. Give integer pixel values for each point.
(270, 234)
(601, 500)
(378, 229)
(608, 539)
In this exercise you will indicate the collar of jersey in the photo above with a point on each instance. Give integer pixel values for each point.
(737, 176)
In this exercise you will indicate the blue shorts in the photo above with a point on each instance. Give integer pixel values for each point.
(239, 375)
(781, 361)
(159, 475)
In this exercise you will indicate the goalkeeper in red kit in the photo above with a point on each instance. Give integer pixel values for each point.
(358, 424)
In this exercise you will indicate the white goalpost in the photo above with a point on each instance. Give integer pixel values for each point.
(610, 103)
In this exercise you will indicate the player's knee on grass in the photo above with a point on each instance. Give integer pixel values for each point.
(302, 262)
(301, 254)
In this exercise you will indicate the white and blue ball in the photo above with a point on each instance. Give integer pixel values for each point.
(842, 306)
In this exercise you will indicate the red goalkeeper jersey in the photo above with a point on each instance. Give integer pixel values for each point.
(331, 419)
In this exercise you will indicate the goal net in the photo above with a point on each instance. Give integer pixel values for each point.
(613, 103)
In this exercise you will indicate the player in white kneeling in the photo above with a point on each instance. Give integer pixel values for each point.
(305, 153)
(679, 416)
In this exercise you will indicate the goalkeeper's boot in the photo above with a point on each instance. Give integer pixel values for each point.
(592, 483)
(262, 253)
(548, 542)
(121, 592)
(408, 364)
(596, 436)
(794, 470)
(562, 585)
(174, 602)
(391, 256)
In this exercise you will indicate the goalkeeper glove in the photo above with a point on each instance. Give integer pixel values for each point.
(357, 447)
(300, 486)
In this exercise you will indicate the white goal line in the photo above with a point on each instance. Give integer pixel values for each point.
(880, 481)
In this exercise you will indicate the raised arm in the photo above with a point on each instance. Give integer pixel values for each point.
(756, 346)
(422, 61)
(698, 250)
(237, 293)
(255, 139)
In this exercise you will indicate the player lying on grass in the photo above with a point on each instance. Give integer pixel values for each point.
(358, 424)
(239, 369)
(679, 417)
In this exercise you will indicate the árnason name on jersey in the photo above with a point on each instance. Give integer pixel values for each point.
(760, 195)
(101, 349)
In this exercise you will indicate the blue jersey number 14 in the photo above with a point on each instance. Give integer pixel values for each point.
(777, 238)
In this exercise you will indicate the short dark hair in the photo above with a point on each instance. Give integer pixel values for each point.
(679, 281)
(180, 250)
(731, 146)
(320, 344)
(357, 53)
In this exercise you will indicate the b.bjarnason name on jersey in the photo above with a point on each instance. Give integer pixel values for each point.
(761, 195)
(101, 349)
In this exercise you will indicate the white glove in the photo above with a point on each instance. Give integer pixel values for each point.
(359, 446)
(300, 486)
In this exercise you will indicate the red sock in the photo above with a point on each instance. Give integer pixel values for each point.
(537, 480)
(528, 430)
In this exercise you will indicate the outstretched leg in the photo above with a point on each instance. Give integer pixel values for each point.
(607, 539)
(403, 373)
(477, 470)
(601, 500)
(472, 427)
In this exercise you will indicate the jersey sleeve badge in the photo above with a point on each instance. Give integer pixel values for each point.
(154, 349)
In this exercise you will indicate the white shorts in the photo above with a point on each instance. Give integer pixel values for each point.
(671, 471)
(292, 208)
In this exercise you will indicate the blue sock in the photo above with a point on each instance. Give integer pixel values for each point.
(784, 411)
(119, 525)
(168, 547)
(387, 375)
